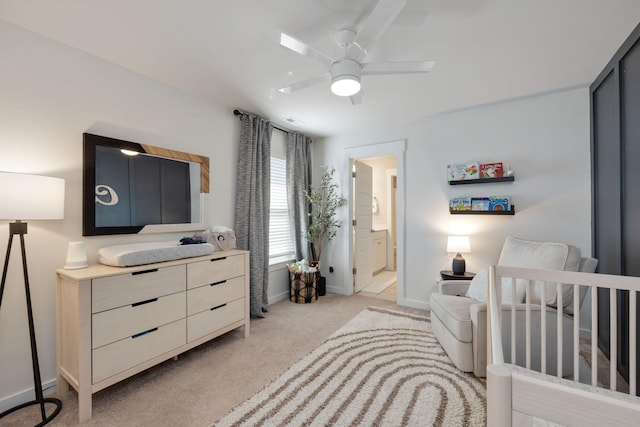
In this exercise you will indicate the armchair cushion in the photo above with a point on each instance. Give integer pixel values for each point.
(530, 254)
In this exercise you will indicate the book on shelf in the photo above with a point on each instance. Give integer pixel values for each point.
(491, 170)
(463, 171)
(480, 204)
(460, 204)
(499, 203)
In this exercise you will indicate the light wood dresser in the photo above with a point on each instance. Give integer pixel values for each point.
(113, 322)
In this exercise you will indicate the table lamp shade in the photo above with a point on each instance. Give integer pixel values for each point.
(458, 244)
(27, 197)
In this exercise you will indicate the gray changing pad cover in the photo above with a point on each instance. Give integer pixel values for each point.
(151, 252)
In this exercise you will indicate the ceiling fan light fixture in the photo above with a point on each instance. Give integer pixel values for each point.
(345, 77)
(345, 85)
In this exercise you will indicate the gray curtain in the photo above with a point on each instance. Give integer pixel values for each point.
(299, 181)
(252, 205)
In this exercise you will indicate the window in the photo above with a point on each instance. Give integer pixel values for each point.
(281, 246)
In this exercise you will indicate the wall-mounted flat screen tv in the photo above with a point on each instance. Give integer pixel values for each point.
(129, 186)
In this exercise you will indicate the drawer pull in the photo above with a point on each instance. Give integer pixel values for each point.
(135, 304)
(219, 259)
(218, 283)
(217, 307)
(143, 333)
(153, 270)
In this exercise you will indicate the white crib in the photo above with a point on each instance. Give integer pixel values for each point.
(519, 396)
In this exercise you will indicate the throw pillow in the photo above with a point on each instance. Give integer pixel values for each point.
(478, 288)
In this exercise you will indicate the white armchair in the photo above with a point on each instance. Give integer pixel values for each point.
(459, 309)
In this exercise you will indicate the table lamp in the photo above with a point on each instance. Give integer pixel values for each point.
(29, 197)
(458, 245)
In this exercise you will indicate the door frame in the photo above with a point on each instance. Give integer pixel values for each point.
(393, 148)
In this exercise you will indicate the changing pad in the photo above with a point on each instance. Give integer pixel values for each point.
(148, 253)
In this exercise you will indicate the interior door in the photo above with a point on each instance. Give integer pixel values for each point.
(363, 241)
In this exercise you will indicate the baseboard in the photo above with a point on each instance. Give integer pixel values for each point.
(278, 297)
(48, 388)
(337, 290)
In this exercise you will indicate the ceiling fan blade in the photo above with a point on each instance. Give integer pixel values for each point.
(358, 98)
(305, 83)
(408, 67)
(304, 49)
(375, 25)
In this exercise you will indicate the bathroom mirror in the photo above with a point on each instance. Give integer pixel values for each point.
(137, 188)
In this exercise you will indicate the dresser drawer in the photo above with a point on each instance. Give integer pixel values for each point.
(211, 320)
(208, 296)
(124, 289)
(129, 352)
(211, 271)
(113, 325)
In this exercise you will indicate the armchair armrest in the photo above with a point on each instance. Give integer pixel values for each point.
(453, 287)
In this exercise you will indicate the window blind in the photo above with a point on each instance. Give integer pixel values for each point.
(281, 246)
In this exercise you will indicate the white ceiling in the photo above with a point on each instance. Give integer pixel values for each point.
(227, 51)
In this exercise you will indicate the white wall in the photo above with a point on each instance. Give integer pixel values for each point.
(545, 139)
(51, 94)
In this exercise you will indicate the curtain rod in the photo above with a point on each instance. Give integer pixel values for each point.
(237, 112)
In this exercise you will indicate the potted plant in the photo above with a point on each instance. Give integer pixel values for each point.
(324, 223)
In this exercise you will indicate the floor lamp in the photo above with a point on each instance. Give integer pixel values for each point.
(29, 197)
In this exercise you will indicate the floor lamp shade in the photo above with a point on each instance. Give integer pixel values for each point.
(29, 197)
(26, 197)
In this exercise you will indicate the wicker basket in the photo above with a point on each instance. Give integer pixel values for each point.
(303, 287)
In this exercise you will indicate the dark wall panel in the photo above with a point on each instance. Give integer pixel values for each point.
(607, 195)
(615, 109)
(630, 136)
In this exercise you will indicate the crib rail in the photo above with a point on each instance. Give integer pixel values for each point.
(500, 375)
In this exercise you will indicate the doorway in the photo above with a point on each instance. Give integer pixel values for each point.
(389, 217)
(381, 209)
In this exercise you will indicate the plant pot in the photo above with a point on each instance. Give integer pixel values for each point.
(322, 286)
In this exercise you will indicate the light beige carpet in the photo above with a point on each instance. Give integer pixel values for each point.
(383, 368)
(207, 382)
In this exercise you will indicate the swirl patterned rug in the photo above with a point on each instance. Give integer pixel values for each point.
(383, 368)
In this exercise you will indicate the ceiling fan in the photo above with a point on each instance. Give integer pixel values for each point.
(345, 72)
